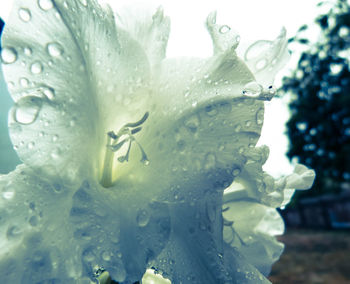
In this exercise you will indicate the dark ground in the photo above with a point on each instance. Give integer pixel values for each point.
(313, 257)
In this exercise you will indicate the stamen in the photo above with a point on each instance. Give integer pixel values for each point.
(114, 144)
(135, 124)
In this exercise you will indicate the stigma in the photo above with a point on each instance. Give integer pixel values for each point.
(115, 142)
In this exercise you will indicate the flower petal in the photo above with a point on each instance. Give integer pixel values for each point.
(56, 56)
(195, 252)
(54, 231)
(251, 229)
(254, 183)
(265, 58)
(150, 31)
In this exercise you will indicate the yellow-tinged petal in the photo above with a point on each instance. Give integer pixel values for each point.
(56, 73)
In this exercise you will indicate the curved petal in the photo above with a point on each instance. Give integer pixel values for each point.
(54, 231)
(265, 58)
(150, 31)
(251, 228)
(254, 183)
(56, 56)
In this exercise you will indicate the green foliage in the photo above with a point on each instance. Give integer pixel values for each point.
(319, 127)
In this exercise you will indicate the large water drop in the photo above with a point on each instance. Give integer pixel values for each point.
(8, 55)
(27, 109)
(36, 67)
(54, 49)
(252, 89)
(45, 4)
(24, 14)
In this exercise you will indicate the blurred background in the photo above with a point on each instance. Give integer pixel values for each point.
(308, 123)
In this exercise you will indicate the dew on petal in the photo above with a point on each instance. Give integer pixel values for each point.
(209, 161)
(33, 221)
(36, 67)
(27, 109)
(192, 123)
(45, 4)
(54, 49)
(24, 14)
(24, 82)
(8, 55)
(8, 194)
(142, 217)
(211, 211)
(106, 256)
(31, 145)
(49, 93)
(224, 29)
(211, 110)
(252, 89)
(261, 64)
(272, 90)
(13, 232)
(236, 171)
(56, 153)
(260, 116)
(28, 51)
(83, 2)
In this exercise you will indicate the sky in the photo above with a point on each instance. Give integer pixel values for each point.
(252, 19)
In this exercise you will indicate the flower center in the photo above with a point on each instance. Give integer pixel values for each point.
(115, 141)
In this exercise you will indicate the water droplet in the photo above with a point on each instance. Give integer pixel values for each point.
(106, 256)
(224, 29)
(36, 67)
(8, 194)
(194, 104)
(211, 211)
(142, 217)
(13, 232)
(24, 82)
(252, 89)
(27, 109)
(54, 138)
(236, 171)
(54, 49)
(272, 90)
(33, 221)
(56, 153)
(261, 64)
(260, 116)
(72, 123)
(49, 93)
(237, 127)
(192, 123)
(28, 51)
(210, 161)
(211, 110)
(248, 123)
(24, 14)
(8, 55)
(31, 145)
(45, 4)
(83, 2)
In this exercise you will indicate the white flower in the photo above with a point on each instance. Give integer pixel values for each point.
(126, 154)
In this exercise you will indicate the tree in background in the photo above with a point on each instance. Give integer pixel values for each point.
(319, 127)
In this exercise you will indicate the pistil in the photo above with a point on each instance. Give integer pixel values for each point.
(106, 180)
